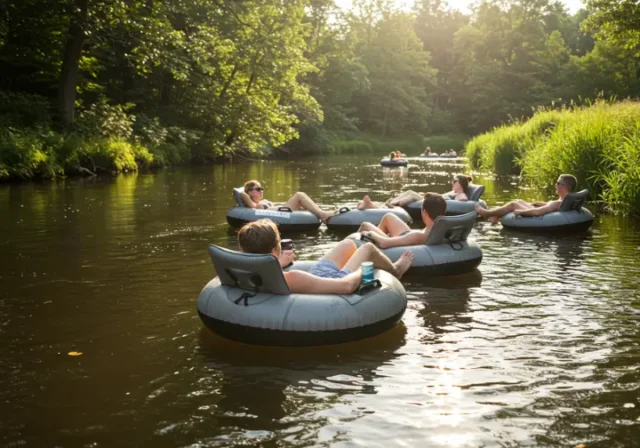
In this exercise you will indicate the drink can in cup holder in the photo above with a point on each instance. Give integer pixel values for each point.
(367, 271)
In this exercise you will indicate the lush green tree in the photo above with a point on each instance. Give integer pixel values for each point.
(617, 20)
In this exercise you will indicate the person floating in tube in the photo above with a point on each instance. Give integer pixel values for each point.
(459, 183)
(253, 197)
(338, 272)
(392, 231)
(566, 184)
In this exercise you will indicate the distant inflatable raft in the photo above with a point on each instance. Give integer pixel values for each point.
(570, 217)
(394, 162)
(284, 217)
(251, 302)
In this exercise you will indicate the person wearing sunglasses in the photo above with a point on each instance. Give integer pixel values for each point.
(253, 197)
(566, 184)
(459, 183)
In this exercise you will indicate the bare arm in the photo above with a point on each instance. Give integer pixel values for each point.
(410, 239)
(548, 208)
(249, 202)
(305, 283)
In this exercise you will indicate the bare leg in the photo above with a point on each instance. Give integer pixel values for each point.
(341, 254)
(368, 227)
(392, 225)
(501, 211)
(301, 201)
(366, 204)
(369, 252)
(405, 198)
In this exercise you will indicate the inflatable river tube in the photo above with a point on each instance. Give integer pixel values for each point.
(453, 207)
(250, 302)
(349, 219)
(394, 162)
(286, 219)
(570, 217)
(446, 251)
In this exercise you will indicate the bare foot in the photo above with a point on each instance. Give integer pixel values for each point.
(481, 211)
(390, 203)
(360, 206)
(494, 219)
(367, 203)
(327, 214)
(404, 263)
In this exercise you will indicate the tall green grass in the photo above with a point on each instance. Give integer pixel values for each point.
(599, 144)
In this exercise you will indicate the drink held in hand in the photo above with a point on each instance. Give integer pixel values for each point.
(367, 271)
(286, 245)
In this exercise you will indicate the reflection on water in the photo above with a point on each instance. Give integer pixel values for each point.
(538, 347)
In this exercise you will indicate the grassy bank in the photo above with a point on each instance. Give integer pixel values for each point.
(600, 144)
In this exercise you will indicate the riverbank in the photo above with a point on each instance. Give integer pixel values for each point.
(599, 144)
(109, 139)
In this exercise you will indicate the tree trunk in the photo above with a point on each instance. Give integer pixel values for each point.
(70, 62)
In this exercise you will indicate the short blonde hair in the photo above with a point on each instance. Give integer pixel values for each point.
(259, 237)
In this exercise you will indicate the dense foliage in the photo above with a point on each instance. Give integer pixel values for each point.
(600, 144)
(91, 85)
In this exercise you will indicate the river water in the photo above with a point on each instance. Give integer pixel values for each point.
(539, 347)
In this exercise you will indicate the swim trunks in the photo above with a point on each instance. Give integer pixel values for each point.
(328, 269)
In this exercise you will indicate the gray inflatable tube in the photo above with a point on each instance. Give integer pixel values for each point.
(453, 207)
(250, 302)
(285, 218)
(570, 217)
(394, 162)
(446, 251)
(350, 219)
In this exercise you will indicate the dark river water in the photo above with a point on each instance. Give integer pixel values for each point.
(539, 347)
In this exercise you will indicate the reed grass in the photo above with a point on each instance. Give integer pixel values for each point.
(599, 144)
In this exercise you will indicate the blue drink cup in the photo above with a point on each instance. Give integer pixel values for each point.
(367, 271)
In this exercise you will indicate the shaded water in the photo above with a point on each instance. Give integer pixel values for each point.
(539, 347)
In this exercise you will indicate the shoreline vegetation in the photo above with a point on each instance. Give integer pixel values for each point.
(107, 139)
(105, 87)
(598, 143)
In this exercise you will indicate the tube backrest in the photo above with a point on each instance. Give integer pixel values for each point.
(449, 229)
(237, 195)
(573, 201)
(252, 272)
(474, 192)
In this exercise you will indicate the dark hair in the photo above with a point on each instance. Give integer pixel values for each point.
(392, 155)
(259, 237)
(570, 181)
(434, 204)
(464, 181)
(248, 186)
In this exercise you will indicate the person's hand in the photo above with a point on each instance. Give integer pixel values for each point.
(286, 258)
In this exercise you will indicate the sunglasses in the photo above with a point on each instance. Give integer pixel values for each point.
(258, 189)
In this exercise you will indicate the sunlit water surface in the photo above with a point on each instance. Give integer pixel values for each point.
(539, 347)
